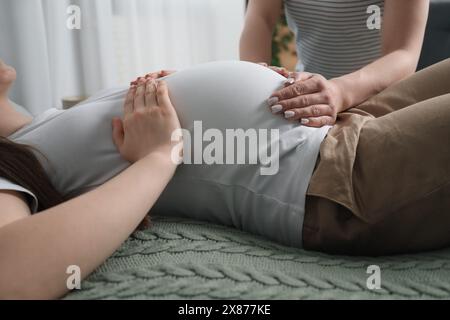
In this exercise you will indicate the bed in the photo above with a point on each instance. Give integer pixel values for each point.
(183, 259)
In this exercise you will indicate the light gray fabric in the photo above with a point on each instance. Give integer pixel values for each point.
(20, 109)
(8, 185)
(223, 95)
(332, 36)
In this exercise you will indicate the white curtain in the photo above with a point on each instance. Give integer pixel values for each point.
(117, 41)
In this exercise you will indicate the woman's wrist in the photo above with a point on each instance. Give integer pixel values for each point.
(162, 158)
(346, 93)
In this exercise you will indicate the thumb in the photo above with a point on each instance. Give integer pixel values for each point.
(118, 134)
(162, 95)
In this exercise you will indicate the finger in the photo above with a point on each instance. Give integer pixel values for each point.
(152, 75)
(297, 76)
(118, 134)
(150, 94)
(136, 82)
(297, 89)
(165, 73)
(280, 70)
(139, 97)
(309, 112)
(298, 102)
(283, 71)
(162, 95)
(129, 100)
(263, 64)
(318, 122)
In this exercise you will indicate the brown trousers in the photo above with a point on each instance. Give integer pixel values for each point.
(382, 182)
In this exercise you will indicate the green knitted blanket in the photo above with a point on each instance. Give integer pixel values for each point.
(179, 259)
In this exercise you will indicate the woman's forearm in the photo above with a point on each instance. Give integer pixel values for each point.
(260, 21)
(372, 79)
(403, 31)
(256, 41)
(36, 251)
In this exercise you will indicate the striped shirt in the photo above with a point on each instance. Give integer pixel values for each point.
(333, 36)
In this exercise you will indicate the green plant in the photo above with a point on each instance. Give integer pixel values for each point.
(280, 40)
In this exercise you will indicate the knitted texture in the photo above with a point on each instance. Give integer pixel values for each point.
(180, 259)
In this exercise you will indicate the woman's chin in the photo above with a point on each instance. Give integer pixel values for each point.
(7, 77)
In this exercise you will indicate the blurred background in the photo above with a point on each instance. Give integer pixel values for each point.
(118, 40)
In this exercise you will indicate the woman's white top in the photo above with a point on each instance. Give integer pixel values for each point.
(335, 37)
(220, 96)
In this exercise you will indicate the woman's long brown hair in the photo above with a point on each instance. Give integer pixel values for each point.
(19, 165)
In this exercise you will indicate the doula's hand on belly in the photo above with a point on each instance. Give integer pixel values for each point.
(310, 99)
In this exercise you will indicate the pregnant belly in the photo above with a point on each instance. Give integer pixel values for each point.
(225, 103)
(233, 95)
(226, 95)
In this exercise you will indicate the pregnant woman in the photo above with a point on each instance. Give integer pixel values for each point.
(366, 189)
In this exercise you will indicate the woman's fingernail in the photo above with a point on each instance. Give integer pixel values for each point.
(276, 108)
(271, 101)
(304, 121)
(289, 81)
(289, 114)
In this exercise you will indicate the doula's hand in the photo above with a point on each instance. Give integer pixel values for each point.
(148, 122)
(310, 99)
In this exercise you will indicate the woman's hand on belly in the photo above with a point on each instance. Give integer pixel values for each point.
(148, 122)
(153, 75)
(308, 98)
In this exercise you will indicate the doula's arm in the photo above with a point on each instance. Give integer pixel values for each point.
(256, 38)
